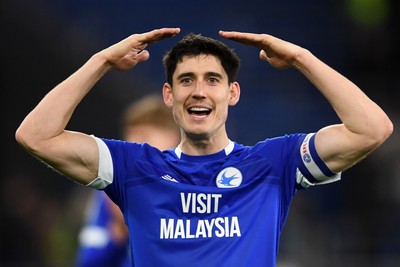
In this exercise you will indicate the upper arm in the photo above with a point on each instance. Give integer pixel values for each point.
(73, 154)
(340, 148)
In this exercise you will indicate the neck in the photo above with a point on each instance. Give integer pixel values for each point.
(203, 146)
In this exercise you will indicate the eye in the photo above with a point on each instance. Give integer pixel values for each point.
(186, 81)
(213, 80)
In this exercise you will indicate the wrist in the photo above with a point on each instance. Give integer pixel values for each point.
(101, 62)
(304, 58)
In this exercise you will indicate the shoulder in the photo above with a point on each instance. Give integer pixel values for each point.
(275, 144)
(126, 148)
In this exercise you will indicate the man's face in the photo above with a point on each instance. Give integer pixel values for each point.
(200, 96)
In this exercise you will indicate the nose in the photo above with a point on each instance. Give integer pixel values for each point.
(199, 90)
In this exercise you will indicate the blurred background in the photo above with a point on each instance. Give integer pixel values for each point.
(354, 222)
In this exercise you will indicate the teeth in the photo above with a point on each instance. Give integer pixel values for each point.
(199, 109)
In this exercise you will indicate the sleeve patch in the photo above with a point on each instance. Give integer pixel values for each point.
(313, 170)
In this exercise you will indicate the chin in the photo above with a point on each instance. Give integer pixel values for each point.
(197, 135)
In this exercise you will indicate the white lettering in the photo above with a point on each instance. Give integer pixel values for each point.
(215, 227)
(201, 230)
(185, 202)
(209, 226)
(219, 224)
(179, 229)
(166, 230)
(200, 203)
(203, 207)
(188, 234)
(216, 201)
(235, 228)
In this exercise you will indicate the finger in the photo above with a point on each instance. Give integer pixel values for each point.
(142, 56)
(264, 56)
(246, 38)
(258, 40)
(156, 35)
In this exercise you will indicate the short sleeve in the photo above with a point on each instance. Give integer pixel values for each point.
(105, 172)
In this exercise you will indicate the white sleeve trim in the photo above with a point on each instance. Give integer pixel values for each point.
(304, 182)
(105, 174)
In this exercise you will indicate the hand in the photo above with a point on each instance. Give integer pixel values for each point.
(118, 229)
(280, 54)
(130, 51)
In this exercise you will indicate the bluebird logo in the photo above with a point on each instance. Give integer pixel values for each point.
(229, 177)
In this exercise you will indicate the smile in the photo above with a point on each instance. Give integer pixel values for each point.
(199, 111)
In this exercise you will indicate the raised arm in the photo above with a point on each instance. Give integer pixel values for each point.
(365, 126)
(43, 134)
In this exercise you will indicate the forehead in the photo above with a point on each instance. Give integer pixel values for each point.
(199, 64)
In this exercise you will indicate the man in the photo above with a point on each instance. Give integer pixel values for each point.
(104, 239)
(209, 201)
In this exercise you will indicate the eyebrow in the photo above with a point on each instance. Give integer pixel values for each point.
(185, 74)
(191, 74)
(216, 74)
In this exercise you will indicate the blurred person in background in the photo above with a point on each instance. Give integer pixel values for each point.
(209, 201)
(104, 239)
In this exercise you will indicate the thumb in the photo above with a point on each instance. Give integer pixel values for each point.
(263, 55)
(143, 56)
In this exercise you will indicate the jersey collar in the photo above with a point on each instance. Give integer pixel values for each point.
(228, 149)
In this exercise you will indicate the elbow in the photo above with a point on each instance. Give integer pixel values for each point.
(21, 137)
(390, 128)
(382, 133)
(387, 130)
(26, 139)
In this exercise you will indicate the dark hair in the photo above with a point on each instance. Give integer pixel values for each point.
(196, 44)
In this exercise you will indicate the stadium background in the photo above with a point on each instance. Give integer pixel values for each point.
(350, 223)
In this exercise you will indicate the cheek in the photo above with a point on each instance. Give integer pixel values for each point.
(222, 112)
(177, 114)
(224, 101)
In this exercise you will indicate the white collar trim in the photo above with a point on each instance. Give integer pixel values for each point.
(228, 149)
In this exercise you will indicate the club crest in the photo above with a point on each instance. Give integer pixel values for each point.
(229, 177)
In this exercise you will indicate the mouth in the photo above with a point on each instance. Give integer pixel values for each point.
(199, 112)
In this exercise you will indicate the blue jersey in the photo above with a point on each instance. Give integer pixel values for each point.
(224, 209)
(96, 247)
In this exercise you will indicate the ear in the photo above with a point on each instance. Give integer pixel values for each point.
(234, 93)
(167, 95)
